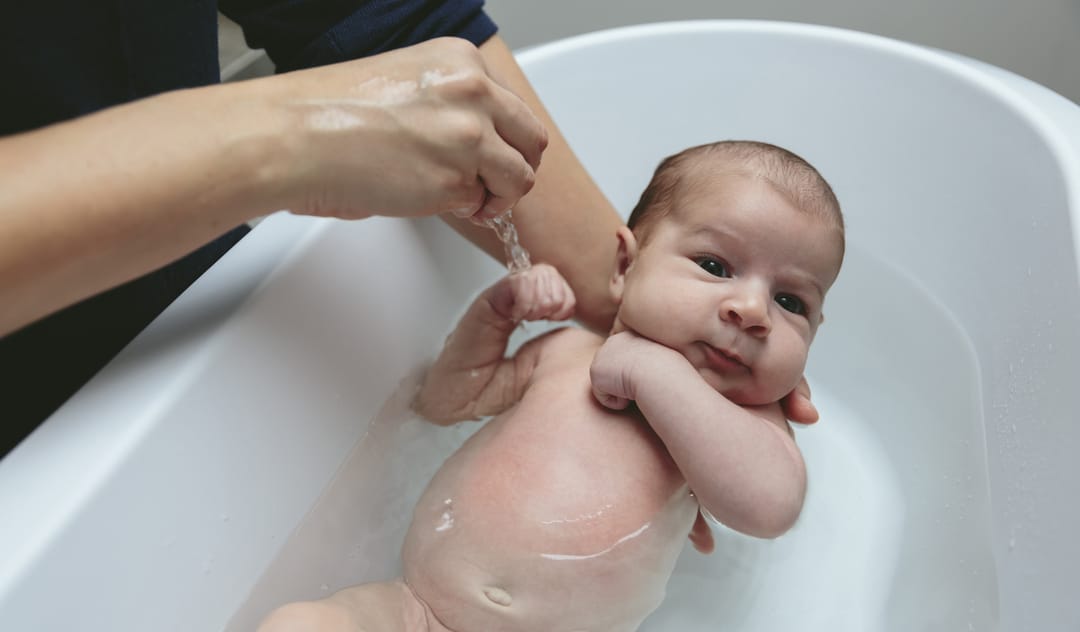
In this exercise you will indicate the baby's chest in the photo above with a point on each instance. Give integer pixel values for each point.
(560, 460)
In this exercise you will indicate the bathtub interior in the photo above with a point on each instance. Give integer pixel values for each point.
(254, 446)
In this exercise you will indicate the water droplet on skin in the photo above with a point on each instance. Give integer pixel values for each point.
(446, 520)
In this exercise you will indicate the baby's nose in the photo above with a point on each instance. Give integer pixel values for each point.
(748, 309)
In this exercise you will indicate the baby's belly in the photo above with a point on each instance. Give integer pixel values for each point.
(556, 526)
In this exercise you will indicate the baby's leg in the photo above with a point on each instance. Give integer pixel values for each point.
(377, 607)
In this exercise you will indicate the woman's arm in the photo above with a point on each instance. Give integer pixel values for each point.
(88, 204)
(565, 220)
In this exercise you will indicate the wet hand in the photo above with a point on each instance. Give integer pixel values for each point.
(539, 293)
(797, 405)
(418, 131)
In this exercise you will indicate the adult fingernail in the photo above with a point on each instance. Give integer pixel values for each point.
(491, 210)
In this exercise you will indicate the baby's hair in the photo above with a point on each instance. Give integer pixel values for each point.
(788, 173)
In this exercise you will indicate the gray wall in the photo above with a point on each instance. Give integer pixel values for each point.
(1039, 39)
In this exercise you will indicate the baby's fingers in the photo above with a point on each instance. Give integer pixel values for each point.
(543, 294)
(608, 400)
(562, 297)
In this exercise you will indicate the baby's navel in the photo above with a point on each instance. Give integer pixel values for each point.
(498, 596)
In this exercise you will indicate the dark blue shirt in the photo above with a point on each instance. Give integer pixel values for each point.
(59, 60)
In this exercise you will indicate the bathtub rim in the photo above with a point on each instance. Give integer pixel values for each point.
(1028, 100)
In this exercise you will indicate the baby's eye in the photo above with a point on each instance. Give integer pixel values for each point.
(714, 267)
(791, 303)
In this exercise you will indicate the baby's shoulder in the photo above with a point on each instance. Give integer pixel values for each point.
(570, 339)
(566, 344)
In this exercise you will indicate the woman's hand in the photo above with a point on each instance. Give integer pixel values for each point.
(797, 405)
(418, 131)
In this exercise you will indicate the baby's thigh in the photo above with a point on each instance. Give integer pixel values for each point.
(376, 607)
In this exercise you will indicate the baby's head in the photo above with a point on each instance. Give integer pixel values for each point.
(727, 258)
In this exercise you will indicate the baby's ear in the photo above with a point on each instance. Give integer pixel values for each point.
(624, 258)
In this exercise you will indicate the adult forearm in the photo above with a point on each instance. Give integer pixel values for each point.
(565, 220)
(89, 204)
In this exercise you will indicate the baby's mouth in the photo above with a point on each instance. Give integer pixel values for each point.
(723, 361)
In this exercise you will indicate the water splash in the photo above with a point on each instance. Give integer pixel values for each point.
(517, 258)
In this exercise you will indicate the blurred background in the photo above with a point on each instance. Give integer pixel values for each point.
(1038, 39)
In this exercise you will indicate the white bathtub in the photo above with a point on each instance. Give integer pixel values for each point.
(253, 445)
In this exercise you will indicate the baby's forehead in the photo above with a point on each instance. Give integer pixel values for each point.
(715, 177)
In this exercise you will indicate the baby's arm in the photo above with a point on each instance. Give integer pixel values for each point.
(472, 377)
(741, 461)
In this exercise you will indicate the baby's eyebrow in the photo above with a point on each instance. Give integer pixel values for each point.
(807, 278)
(709, 230)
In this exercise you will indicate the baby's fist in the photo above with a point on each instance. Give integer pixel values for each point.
(612, 370)
(539, 293)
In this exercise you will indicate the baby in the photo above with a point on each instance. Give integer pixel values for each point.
(567, 511)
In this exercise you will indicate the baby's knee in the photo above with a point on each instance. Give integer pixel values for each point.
(310, 616)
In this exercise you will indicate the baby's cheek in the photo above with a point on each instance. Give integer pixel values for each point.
(787, 368)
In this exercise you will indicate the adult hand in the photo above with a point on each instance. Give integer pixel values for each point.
(417, 131)
(797, 405)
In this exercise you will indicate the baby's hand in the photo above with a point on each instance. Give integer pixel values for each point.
(539, 293)
(620, 363)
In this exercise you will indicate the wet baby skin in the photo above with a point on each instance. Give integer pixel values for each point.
(567, 510)
(557, 516)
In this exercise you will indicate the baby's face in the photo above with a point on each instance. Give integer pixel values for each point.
(734, 278)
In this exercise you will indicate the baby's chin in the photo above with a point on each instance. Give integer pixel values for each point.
(744, 390)
(754, 394)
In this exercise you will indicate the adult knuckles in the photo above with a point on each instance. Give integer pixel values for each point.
(465, 129)
(520, 184)
(460, 189)
(528, 181)
(470, 85)
(456, 47)
(459, 184)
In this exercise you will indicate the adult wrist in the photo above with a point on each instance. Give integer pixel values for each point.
(255, 161)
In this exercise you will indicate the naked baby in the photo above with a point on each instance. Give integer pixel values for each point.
(567, 511)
